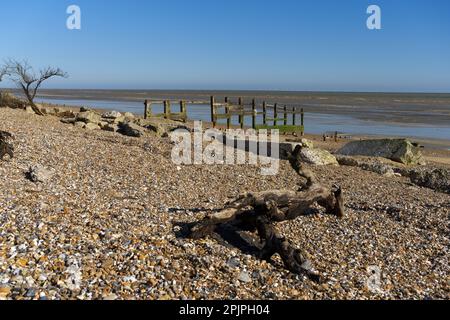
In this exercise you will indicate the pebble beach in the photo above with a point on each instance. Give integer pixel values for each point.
(109, 225)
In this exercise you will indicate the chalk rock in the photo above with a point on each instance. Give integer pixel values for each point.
(112, 115)
(92, 126)
(307, 143)
(88, 117)
(29, 110)
(317, 157)
(129, 115)
(398, 150)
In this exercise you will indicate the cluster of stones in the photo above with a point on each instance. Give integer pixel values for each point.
(114, 121)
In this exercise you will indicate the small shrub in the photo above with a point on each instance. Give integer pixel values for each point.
(10, 101)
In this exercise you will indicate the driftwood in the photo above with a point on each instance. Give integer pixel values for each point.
(6, 148)
(260, 211)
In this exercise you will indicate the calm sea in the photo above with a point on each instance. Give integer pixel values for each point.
(315, 123)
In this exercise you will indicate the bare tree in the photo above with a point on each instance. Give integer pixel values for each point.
(23, 75)
(3, 72)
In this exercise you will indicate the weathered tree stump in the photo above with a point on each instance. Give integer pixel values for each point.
(260, 211)
(6, 148)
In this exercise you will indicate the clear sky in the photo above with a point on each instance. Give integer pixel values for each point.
(234, 44)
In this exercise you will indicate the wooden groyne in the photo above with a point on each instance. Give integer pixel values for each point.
(273, 116)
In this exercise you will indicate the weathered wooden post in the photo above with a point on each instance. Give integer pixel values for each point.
(241, 113)
(145, 109)
(183, 111)
(294, 116)
(285, 115)
(213, 111)
(275, 115)
(254, 113)
(167, 110)
(227, 111)
(264, 113)
(148, 109)
(336, 136)
(303, 122)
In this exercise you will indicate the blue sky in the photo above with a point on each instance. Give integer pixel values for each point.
(231, 44)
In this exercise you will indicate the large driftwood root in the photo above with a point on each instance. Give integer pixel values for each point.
(6, 148)
(260, 211)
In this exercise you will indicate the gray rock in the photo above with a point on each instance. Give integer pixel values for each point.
(103, 124)
(233, 262)
(31, 293)
(38, 173)
(131, 129)
(129, 115)
(317, 157)
(80, 124)
(118, 120)
(398, 150)
(379, 168)
(436, 179)
(348, 161)
(244, 277)
(88, 117)
(111, 127)
(369, 164)
(112, 115)
(68, 114)
(92, 126)
(153, 125)
(307, 143)
(48, 110)
(68, 120)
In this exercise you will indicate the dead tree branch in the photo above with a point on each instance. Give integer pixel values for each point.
(3, 72)
(260, 211)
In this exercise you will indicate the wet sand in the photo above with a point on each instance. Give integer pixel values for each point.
(424, 118)
(401, 108)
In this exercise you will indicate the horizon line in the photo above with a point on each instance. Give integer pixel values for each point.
(242, 90)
